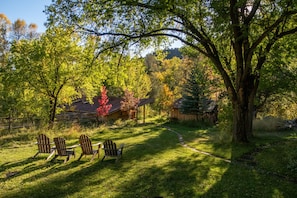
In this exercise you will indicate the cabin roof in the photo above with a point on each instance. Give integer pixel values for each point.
(82, 105)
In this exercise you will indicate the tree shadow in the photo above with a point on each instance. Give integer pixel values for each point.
(191, 174)
(52, 184)
(244, 178)
(167, 181)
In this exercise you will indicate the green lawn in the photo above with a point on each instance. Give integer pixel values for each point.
(154, 164)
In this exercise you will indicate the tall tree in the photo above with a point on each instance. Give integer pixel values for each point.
(279, 76)
(194, 93)
(5, 26)
(12, 94)
(124, 73)
(53, 67)
(236, 35)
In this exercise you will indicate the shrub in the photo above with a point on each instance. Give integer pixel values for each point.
(267, 124)
(225, 123)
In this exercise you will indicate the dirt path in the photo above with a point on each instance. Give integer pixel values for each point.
(245, 160)
(182, 142)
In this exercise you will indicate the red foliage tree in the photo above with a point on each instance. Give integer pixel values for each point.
(104, 107)
(130, 103)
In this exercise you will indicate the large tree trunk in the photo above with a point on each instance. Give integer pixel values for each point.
(242, 122)
(243, 111)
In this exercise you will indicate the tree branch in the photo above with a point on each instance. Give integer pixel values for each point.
(270, 29)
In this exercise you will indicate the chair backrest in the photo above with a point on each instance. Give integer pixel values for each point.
(110, 148)
(43, 143)
(86, 144)
(60, 146)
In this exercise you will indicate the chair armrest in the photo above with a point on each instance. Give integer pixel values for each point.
(97, 144)
(73, 146)
(50, 143)
(122, 146)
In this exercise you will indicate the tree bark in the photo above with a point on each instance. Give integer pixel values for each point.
(241, 123)
(243, 111)
(52, 115)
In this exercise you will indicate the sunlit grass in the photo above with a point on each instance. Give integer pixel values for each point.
(154, 164)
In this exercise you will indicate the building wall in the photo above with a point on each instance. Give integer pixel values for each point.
(207, 117)
(79, 116)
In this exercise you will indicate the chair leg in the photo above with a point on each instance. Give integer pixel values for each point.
(67, 158)
(103, 158)
(80, 157)
(52, 153)
(54, 158)
(93, 157)
(36, 154)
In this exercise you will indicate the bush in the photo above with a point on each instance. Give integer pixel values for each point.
(267, 124)
(225, 123)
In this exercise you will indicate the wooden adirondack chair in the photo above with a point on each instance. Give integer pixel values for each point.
(62, 150)
(44, 146)
(87, 147)
(110, 149)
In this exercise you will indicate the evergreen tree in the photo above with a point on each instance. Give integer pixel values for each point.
(193, 100)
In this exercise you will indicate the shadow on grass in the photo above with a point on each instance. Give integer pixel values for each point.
(185, 174)
(8, 165)
(7, 140)
(182, 177)
(64, 180)
(247, 179)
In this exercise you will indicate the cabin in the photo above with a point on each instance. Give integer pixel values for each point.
(210, 115)
(82, 110)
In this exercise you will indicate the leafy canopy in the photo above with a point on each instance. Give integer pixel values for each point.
(236, 35)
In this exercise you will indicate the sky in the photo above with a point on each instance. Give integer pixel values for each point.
(29, 10)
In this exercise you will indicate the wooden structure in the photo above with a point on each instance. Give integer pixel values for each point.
(62, 150)
(87, 147)
(111, 150)
(83, 110)
(210, 115)
(44, 146)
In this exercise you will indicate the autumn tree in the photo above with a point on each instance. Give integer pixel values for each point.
(168, 77)
(21, 30)
(236, 35)
(130, 104)
(104, 107)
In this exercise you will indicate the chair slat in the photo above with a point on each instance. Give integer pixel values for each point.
(111, 150)
(62, 150)
(87, 147)
(44, 145)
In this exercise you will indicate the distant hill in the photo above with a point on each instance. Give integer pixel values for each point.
(173, 53)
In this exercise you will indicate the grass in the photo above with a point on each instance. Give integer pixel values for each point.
(154, 164)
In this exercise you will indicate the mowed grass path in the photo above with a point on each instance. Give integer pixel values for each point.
(154, 164)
